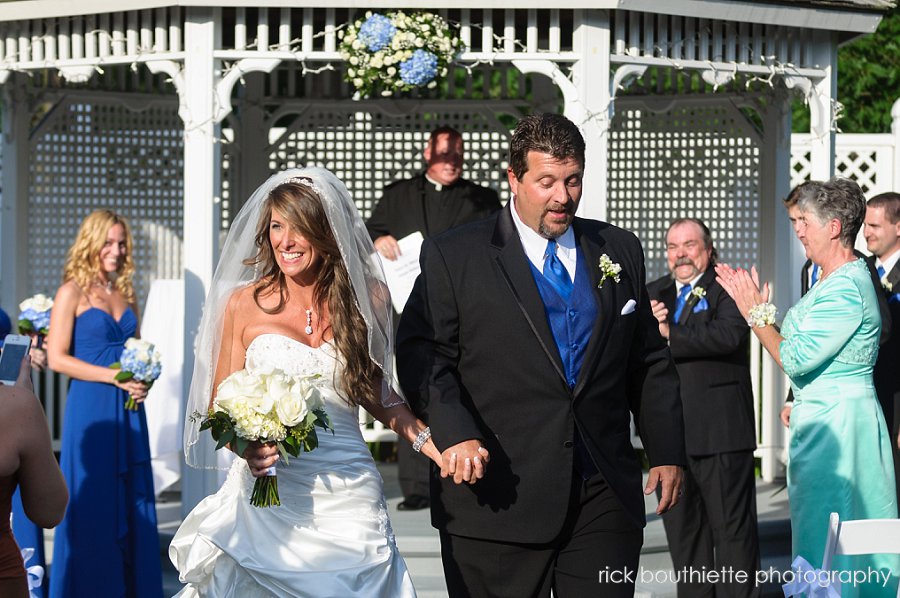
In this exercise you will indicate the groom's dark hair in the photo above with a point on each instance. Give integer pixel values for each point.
(546, 133)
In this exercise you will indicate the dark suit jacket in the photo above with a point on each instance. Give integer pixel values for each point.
(477, 359)
(711, 350)
(401, 210)
(887, 368)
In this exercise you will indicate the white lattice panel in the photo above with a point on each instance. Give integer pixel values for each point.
(368, 150)
(102, 155)
(688, 160)
(867, 159)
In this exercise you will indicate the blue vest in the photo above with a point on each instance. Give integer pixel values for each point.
(570, 321)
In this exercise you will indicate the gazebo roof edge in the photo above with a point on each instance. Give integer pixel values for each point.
(857, 16)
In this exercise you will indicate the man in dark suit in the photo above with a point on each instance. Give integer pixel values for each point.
(882, 232)
(530, 334)
(714, 525)
(431, 203)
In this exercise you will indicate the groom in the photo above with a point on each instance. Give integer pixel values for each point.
(530, 334)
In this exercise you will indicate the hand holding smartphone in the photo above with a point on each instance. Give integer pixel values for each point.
(15, 348)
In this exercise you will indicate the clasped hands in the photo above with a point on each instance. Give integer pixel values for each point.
(465, 462)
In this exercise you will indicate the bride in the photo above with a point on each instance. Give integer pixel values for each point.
(298, 288)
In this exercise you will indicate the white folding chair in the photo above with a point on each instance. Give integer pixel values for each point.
(861, 536)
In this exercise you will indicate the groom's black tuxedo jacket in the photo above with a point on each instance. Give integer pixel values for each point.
(477, 359)
(711, 349)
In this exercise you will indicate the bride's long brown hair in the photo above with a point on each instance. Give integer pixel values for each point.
(302, 208)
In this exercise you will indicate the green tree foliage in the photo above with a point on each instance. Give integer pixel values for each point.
(868, 81)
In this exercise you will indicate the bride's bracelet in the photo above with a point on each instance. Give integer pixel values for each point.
(761, 315)
(421, 439)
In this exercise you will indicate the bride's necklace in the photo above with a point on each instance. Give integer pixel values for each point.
(107, 286)
(309, 328)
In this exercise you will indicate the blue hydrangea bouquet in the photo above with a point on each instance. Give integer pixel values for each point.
(398, 51)
(140, 361)
(34, 316)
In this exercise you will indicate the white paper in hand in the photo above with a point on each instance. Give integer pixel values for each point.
(400, 274)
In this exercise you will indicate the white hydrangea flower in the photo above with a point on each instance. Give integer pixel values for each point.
(39, 303)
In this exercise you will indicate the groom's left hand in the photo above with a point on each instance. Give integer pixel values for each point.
(669, 478)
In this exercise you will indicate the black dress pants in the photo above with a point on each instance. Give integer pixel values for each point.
(596, 554)
(713, 527)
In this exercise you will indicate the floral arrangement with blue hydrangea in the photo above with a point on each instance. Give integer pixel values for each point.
(398, 51)
(34, 315)
(140, 361)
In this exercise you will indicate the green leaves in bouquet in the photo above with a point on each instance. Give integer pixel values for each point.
(222, 429)
(304, 438)
(25, 327)
(121, 376)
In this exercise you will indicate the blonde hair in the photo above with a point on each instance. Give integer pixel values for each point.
(83, 259)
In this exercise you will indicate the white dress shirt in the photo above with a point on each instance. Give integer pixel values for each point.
(535, 246)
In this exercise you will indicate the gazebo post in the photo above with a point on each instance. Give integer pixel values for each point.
(14, 207)
(824, 92)
(775, 161)
(589, 107)
(252, 136)
(202, 172)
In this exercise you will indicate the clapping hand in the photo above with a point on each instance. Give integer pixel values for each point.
(465, 461)
(743, 287)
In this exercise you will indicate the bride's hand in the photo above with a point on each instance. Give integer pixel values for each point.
(260, 457)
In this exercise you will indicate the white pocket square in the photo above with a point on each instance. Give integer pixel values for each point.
(629, 307)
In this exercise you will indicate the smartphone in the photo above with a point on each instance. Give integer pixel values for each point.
(15, 348)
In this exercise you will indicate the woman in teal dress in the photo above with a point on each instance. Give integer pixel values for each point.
(840, 456)
(107, 544)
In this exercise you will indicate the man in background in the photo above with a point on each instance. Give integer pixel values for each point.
(431, 203)
(882, 232)
(714, 526)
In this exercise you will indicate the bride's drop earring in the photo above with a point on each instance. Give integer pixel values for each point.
(308, 329)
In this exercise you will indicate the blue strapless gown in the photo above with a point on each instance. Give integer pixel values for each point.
(107, 544)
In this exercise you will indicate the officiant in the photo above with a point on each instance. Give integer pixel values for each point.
(431, 202)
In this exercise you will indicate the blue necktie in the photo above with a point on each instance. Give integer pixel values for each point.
(555, 273)
(880, 270)
(815, 276)
(681, 300)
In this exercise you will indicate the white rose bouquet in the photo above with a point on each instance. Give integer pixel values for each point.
(34, 316)
(267, 407)
(398, 51)
(140, 361)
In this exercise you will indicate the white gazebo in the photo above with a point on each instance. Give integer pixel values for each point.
(173, 111)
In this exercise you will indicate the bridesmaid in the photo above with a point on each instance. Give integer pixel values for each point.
(107, 544)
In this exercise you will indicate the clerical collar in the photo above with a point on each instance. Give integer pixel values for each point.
(437, 186)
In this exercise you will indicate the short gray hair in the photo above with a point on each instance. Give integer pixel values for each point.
(840, 199)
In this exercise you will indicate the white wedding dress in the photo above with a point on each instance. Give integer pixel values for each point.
(331, 536)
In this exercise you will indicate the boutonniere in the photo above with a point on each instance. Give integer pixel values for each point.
(609, 269)
(887, 286)
(698, 299)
